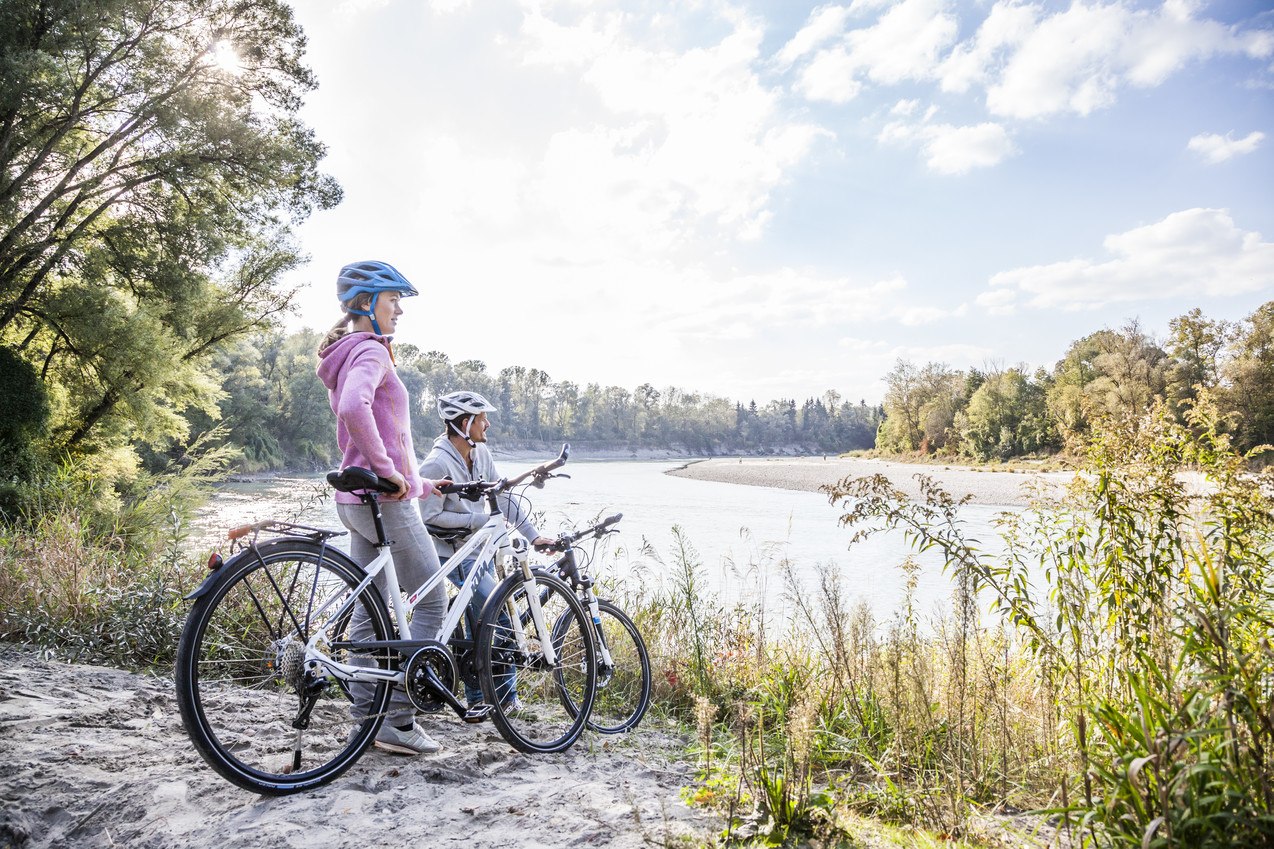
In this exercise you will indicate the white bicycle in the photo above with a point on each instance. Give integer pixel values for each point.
(266, 670)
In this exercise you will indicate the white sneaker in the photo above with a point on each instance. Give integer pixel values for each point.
(411, 742)
(511, 706)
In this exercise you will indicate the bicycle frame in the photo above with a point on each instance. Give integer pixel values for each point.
(486, 541)
(584, 581)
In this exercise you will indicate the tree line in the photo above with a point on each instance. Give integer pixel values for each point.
(997, 413)
(276, 411)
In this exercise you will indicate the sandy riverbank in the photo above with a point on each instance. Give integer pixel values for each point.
(1007, 489)
(96, 757)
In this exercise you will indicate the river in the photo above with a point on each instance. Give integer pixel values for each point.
(745, 536)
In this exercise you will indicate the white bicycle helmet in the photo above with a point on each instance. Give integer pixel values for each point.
(456, 405)
(453, 405)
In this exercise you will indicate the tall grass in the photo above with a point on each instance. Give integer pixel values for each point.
(1112, 667)
(97, 572)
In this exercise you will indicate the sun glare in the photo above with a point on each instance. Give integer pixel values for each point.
(226, 57)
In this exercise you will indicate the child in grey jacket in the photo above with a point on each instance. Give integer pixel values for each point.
(461, 454)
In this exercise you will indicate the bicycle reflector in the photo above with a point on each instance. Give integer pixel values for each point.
(214, 562)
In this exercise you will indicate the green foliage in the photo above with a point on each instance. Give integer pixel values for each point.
(1006, 417)
(1248, 386)
(98, 573)
(1150, 637)
(26, 413)
(145, 203)
(1005, 413)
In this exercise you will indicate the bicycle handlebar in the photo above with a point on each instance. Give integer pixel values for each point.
(565, 541)
(473, 490)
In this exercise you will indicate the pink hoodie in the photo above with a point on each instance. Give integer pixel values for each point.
(373, 422)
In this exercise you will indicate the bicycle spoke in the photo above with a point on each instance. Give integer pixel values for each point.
(243, 682)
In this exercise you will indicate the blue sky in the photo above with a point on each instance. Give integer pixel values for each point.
(775, 199)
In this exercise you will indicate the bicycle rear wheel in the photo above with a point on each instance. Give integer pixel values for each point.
(252, 708)
(623, 683)
(536, 706)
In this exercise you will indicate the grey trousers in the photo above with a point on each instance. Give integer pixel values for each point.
(416, 561)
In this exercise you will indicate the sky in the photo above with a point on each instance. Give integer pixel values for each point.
(760, 200)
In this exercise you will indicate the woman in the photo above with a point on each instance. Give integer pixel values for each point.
(373, 430)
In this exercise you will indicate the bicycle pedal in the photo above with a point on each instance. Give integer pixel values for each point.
(477, 713)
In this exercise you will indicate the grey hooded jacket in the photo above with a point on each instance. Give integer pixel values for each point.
(452, 511)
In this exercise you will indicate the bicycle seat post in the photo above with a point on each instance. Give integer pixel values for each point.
(369, 498)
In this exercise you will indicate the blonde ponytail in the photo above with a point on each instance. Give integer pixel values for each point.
(338, 330)
(341, 328)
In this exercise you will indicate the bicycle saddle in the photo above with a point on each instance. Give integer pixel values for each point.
(354, 479)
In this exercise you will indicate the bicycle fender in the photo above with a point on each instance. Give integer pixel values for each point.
(203, 588)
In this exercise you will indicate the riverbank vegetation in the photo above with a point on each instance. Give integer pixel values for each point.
(1110, 671)
(997, 413)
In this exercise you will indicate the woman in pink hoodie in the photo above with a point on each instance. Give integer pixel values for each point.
(373, 430)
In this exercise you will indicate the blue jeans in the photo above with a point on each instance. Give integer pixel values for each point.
(507, 687)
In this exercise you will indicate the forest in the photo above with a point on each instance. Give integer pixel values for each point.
(276, 412)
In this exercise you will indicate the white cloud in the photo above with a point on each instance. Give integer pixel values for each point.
(1076, 60)
(970, 62)
(1032, 63)
(904, 43)
(1187, 253)
(794, 299)
(1214, 148)
(949, 149)
(904, 108)
(688, 143)
(824, 24)
(352, 9)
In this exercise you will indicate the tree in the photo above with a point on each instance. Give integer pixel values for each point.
(1108, 372)
(920, 406)
(150, 167)
(1195, 345)
(1250, 378)
(26, 411)
(1002, 417)
(1132, 372)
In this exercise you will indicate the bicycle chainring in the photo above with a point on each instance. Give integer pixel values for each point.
(437, 658)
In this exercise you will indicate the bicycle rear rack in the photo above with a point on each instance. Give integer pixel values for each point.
(273, 527)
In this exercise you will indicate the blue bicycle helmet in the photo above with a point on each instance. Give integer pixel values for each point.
(370, 277)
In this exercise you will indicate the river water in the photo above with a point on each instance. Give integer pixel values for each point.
(746, 537)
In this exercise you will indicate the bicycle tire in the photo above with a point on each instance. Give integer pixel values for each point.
(239, 679)
(552, 703)
(623, 689)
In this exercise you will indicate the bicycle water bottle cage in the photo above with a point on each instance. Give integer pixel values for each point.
(354, 479)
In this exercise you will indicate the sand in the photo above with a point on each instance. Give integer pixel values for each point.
(1006, 489)
(96, 757)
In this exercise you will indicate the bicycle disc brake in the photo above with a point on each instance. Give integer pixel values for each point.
(437, 658)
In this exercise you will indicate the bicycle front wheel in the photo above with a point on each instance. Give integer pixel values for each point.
(537, 705)
(254, 709)
(623, 672)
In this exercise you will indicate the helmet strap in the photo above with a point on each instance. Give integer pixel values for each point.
(451, 425)
(370, 312)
